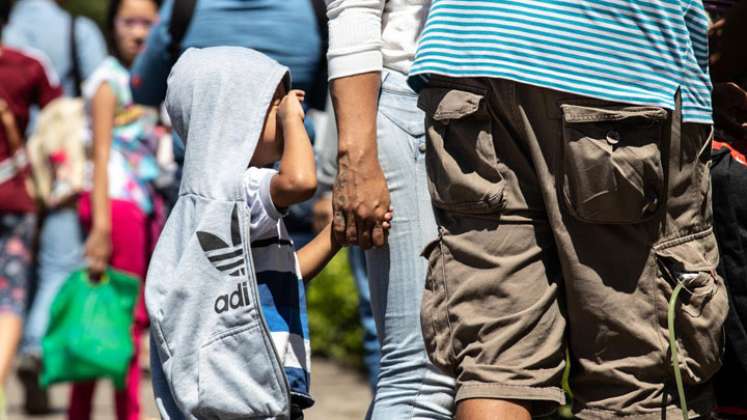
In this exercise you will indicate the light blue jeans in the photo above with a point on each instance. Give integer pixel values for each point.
(409, 386)
(371, 348)
(60, 253)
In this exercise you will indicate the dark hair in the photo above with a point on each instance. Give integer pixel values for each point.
(5, 6)
(111, 16)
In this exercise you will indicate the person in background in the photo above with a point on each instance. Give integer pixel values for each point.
(121, 211)
(24, 81)
(381, 159)
(729, 176)
(43, 26)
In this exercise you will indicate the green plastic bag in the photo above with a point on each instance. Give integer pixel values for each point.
(90, 329)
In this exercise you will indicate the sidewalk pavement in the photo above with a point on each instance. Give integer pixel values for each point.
(340, 393)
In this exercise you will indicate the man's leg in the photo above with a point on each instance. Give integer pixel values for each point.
(481, 409)
(490, 312)
(627, 193)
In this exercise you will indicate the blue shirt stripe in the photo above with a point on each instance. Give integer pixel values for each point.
(630, 51)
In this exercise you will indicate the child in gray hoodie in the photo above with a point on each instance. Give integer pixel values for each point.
(225, 289)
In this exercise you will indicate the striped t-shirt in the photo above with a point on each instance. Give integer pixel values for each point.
(281, 289)
(631, 51)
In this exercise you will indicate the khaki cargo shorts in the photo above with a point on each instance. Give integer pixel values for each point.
(565, 222)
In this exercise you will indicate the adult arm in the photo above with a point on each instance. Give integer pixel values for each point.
(152, 66)
(98, 246)
(360, 194)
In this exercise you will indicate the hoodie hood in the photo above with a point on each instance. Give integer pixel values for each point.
(217, 100)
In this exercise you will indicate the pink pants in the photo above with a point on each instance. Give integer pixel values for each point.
(131, 245)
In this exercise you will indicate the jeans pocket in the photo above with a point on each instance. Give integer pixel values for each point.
(612, 170)
(434, 311)
(236, 379)
(461, 162)
(701, 307)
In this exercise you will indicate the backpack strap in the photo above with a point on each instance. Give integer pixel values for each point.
(181, 16)
(317, 97)
(74, 59)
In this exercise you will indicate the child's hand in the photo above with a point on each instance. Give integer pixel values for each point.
(387, 223)
(290, 105)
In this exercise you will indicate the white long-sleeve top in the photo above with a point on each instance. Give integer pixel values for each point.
(371, 35)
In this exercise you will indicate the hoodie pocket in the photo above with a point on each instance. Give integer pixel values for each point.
(236, 379)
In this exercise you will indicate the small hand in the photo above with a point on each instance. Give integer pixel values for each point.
(290, 106)
(98, 250)
(321, 213)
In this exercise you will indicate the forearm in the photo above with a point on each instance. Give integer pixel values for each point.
(355, 100)
(101, 207)
(296, 179)
(313, 257)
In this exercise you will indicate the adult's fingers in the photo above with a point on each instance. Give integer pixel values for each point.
(364, 233)
(338, 227)
(351, 230)
(378, 236)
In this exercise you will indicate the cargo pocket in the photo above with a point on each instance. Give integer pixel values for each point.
(236, 379)
(463, 170)
(434, 311)
(702, 304)
(612, 165)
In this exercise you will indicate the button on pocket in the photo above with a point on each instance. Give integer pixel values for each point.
(612, 168)
(463, 170)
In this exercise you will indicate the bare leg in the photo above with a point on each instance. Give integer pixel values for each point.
(11, 326)
(485, 409)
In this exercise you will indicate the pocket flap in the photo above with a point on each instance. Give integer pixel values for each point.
(585, 114)
(451, 104)
(692, 254)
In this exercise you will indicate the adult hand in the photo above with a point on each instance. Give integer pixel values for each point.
(98, 250)
(730, 109)
(360, 202)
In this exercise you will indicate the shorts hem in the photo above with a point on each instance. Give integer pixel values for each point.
(699, 409)
(510, 392)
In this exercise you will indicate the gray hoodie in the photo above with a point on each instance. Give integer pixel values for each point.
(218, 364)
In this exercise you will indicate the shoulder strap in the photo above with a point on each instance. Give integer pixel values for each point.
(181, 16)
(74, 59)
(317, 97)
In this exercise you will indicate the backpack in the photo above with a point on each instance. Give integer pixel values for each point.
(56, 148)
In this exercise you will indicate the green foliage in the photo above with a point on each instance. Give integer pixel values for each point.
(333, 314)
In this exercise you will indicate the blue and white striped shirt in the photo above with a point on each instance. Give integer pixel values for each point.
(631, 51)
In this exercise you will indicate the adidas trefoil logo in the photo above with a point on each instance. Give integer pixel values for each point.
(224, 257)
(227, 259)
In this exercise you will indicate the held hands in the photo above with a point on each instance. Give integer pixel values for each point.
(98, 250)
(290, 106)
(360, 203)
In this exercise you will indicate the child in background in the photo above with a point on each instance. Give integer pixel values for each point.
(120, 211)
(24, 81)
(224, 277)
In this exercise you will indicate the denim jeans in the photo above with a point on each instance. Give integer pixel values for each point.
(371, 349)
(409, 386)
(60, 253)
